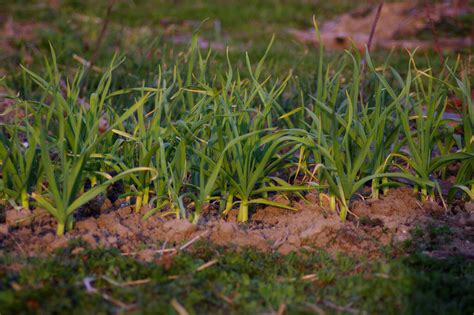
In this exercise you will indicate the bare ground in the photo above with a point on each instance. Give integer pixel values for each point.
(373, 225)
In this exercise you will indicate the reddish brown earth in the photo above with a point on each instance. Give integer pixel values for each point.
(373, 224)
(397, 27)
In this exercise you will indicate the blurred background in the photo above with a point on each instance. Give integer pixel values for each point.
(156, 32)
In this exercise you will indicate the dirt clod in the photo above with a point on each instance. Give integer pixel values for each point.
(469, 206)
(3, 229)
(89, 224)
(97, 206)
(15, 217)
(434, 209)
(179, 229)
(111, 223)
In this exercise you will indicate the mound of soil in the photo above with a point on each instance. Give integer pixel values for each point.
(398, 21)
(373, 224)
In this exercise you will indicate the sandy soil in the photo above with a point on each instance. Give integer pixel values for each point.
(373, 224)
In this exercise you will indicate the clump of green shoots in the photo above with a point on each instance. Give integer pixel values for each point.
(197, 138)
(20, 161)
(68, 135)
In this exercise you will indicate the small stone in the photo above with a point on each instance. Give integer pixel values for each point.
(470, 219)
(89, 224)
(360, 208)
(294, 240)
(120, 203)
(462, 219)
(401, 235)
(2, 213)
(315, 229)
(124, 211)
(59, 242)
(48, 238)
(384, 239)
(312, 198)
(227, 228)
(286, 248)
(111, 223)
(20, 217)
(147, 255)
(100, 205)
(39, 212)
(90, 239)
(391, 224)
(3, 229)
(125, 248)
(179, 229)
(233, 215)
(469, 206)
(179, 226)
(281, 200)
(434, 209)
(112, 240)
(77, 250)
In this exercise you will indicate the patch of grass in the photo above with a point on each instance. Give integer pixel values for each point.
(242, 282)
(242, 25)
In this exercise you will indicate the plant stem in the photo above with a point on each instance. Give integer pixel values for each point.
(424, 194)
(385, 187)
(243, 211)
(177, 211)
(415, 189)
(24, 199)
(70, 223)
(344, 209)
(146, 195)
(93, 180)
(375, 189)
(332, 202)
(138, 203)
(197, 215)
(103, 30)
(60, 229)
(374, 25)
(229, 203)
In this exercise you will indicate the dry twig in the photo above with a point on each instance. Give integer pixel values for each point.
(90, 289)
(126, 283)
(281, 309)
(178, 307)
(207, 265)
(103, 31)
(374, 25)
(174, 249)
(340, 308)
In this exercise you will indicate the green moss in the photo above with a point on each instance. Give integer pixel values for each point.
(245, 282)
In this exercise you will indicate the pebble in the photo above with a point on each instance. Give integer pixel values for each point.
(470, 219)
(20, 217)
(77, 250)
(227, 228)
(469, 206)
(3, 229)
(89, 224)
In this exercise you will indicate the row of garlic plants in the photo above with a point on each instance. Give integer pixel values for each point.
(199, 137)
